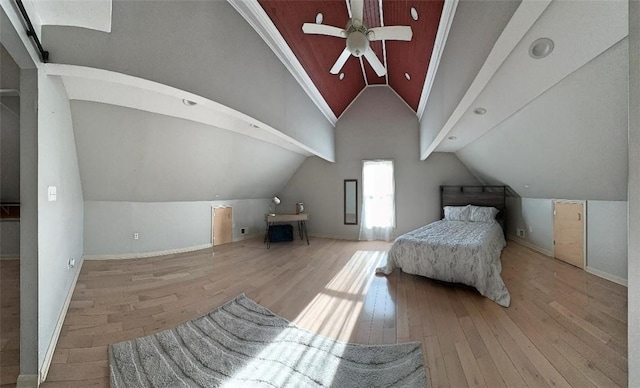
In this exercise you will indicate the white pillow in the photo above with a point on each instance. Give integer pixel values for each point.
(456, 213)
(482, 214)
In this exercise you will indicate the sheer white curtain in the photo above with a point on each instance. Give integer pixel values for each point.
(378, 200)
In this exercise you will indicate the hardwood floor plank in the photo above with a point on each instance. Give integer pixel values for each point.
(559, 330)
(469, 365)
(437, 372)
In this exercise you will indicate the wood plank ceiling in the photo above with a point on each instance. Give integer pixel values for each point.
(318, 53)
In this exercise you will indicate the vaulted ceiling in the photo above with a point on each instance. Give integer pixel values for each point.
(407, 62)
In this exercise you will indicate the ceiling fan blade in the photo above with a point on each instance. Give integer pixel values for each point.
(342, 59)
(390, 33)
(375, 62)
(357, 9)
(322, 29)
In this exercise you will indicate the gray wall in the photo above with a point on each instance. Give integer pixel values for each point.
(29, 282)
(476, 27)
(131, 155)
(377, 126)
(607, 237)
(204, 47)
(606, 230)
(10, 174)
(634, 192)
(535, 216)
(60, 222)
(570, 142)
(9, 153)
(162, 226)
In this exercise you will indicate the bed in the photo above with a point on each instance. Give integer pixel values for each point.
(464, 247)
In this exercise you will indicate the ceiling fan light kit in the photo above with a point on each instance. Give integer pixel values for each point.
(358, 37)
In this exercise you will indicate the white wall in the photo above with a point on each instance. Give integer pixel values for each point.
(570, 142)
(162, 226)
(634, 194)
(204, 47)
(377, 126)
(131, 155)
(60, 222)
(475, 28)
(606, 232)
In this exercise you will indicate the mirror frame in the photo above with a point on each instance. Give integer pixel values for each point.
(355, 181)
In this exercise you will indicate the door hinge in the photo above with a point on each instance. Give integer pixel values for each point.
(579, 217)
(554, 242)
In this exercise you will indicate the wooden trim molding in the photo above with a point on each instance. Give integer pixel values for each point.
(446, 19)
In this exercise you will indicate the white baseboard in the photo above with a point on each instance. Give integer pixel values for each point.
(48, 357)
(27, 381)
(608, 276)
(529, 245)
(248, 236)
(142, 255)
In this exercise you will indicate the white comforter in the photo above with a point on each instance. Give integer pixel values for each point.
(456, 252)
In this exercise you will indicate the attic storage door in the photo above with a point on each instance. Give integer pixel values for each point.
(568, 232)
(221, 225)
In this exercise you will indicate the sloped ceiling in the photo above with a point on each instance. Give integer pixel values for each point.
(131, 155)
(317, 53)
(202, 47)
(569, 143)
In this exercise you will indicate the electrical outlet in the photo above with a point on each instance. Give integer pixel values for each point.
(71, 263)
(520, 232)
(243, 230)
(136, 236)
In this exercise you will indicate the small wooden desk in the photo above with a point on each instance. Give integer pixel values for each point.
(272, 219)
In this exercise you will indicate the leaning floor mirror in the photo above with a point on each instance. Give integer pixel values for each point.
(351, 202)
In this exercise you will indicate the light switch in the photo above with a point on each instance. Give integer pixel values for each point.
(51, 193)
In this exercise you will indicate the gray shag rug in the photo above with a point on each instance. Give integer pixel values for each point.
(242, 344)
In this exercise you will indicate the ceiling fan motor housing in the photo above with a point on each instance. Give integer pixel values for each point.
(357, 41)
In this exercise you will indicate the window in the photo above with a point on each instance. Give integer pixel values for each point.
(378, 200)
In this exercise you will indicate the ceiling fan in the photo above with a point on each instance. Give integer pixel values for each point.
(358, 37)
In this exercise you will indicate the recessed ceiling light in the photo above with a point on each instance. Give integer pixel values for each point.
(253, 125)
(319, 18)
(341, 76)
(452, 137)
(188, 102)
(414, 13)
(407, 76)
(479, 110)
(540, 48)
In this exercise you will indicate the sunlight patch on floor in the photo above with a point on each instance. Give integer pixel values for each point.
(343, 296)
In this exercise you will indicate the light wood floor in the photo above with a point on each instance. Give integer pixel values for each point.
(9, 322)
(565, 327)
